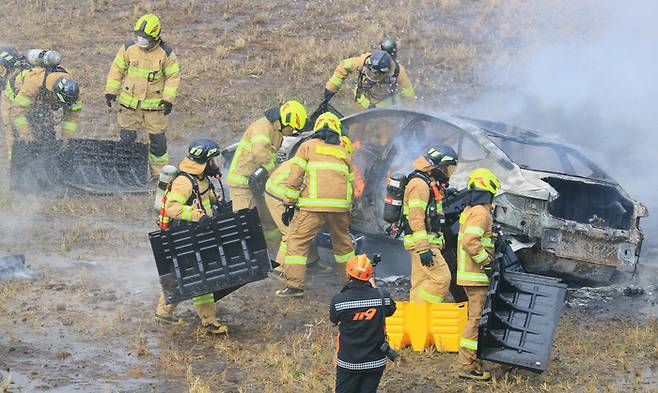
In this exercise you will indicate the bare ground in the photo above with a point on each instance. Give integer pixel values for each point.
(87, 324)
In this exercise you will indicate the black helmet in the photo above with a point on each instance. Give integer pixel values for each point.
(441, 155)
(67, 91)
(203, 150)
(9, 57)
(389, 45)
(378, 65)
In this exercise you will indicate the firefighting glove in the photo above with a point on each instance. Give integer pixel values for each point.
(426, 258)
(287, 215)
(167, 106)
(328, 94)
(257, 180)
(488, 269)
(109, 99)
(204, 220)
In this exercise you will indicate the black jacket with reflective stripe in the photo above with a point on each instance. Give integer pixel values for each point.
(358, 312)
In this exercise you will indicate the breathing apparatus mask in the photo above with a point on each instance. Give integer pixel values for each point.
(212, 169)
(144, 41)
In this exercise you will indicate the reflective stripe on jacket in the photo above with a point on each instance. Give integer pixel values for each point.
(142, 78)
(30, 96)
(320, 177)
(475, 246)
(276, 184)
(415, 203)
(403, 86)
(258, 147)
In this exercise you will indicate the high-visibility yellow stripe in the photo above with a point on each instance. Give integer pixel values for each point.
(238, 179)
(315, 165)
(325, 202)
(468, 344)
(347, 64)
(153, 75)
(170, 91)
(162, 160)
(20, 121)
(302, 163)
(69, 126)
(419, 235)
(76, 106)
(407, 91)
(171, 70)
(336, 81)
(275, 185)
(344, 258)
(22, 100)
(118, 60)
(261, 139)
(295, 260)
(417, 203)
(113, 84)
(176, 198)
(203, 299)
(480, 256)
(186, 215)
(474, 231)
(292, 193)
(429, 297)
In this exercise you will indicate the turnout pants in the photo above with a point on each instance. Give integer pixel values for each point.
(429, 284)
(469, 341)
(154, 123)
(243, 198)
(204, 305)
(304, 227)
(351, 382)
(276, 208)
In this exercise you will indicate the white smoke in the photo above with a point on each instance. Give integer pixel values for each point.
(597, 89)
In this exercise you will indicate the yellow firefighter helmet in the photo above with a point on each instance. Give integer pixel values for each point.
(483, 179)
(293, 114)
(148, 26)
(328, 121)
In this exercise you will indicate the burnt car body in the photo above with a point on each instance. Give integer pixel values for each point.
(564, 215)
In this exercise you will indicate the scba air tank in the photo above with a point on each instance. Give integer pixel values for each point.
(167, 175)
(43, 58)
(394, 196)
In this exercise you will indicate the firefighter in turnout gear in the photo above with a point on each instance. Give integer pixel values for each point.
(144, 79)
(360, 311)
(320, 187)
(423, 212)
(192, 198)
(13, 70)
(475, 251)
(255, 158)
(381, 81)
(43, 92)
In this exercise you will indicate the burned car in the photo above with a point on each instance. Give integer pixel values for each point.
(564, 215)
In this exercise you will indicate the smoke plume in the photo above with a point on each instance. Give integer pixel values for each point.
(596, 88)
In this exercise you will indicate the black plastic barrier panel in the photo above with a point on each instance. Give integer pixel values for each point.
(194, 260)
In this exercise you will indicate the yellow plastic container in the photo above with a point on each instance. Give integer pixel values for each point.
(422, 325)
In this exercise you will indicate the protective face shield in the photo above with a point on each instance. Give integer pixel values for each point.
(375, 75)
(450, 169)
(3, 71)
(144, 42)
(212, 168)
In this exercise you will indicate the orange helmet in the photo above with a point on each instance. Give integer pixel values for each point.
(359, 267)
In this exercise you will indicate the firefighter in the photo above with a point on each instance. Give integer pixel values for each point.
(255, 157)
(422, 209)
(12, 74)
(275, 190)
(144, 79)
(43, 92)
(360, 310)
(192, 198)
(320, 187)
(475, 250)
(381, 81)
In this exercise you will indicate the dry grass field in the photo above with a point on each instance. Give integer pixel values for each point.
(85, 324)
